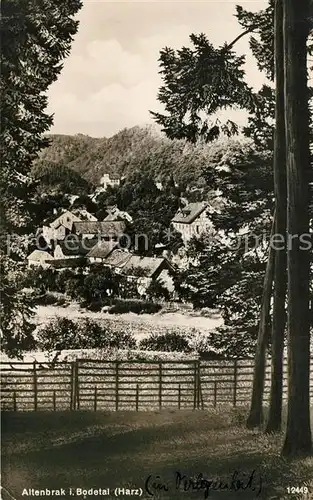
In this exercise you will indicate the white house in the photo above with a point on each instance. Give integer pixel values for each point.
(109, 180)
(58, 226)
(39, 258)
(114, 213)
(192, 220)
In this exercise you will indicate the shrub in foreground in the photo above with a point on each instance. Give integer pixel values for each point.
(62, 334)
(170, 342)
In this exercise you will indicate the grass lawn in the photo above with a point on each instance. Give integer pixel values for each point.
(108, 450)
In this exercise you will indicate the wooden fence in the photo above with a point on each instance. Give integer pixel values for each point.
(124, 385)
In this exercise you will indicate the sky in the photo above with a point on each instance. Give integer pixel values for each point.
(110, 80)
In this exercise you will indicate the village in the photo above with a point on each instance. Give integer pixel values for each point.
(76, 238)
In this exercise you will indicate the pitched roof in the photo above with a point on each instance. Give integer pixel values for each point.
(101, 250)
(52, 220)
(105, 228)
(189, 213)
(74, 246)
(38, 254)
(148, 264)
(116, 215)
(53, 217)
(61, 263)
(118, 258)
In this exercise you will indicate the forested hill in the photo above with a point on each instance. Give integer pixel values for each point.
(136, 148)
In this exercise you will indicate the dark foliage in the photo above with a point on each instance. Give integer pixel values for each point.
(168, 342)
(135, 306)
(63, 333)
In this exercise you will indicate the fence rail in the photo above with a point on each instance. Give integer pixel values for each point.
(130, 385)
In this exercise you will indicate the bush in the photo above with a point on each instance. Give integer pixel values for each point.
(170, 342)
(63, 278)
(63, 333)
(158, 290)
(48, 299)
(94, 306)
(57, 335)
(135, 306)
(42, 279)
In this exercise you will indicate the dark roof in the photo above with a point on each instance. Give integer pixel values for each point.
(61, 263)
(117, 258)
(189, 213)
(148, 264)
(74, 246)
(101, 250)
(105, 228)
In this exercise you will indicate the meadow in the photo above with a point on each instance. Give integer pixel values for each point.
(124, 449)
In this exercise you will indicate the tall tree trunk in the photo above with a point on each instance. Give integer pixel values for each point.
(255, 417)
(298, 439)
(280, 267)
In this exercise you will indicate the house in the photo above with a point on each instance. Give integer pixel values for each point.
(72, 247)
(115, 213)
(150, 268)
(59, 225)
(101, 251)
(109, 180)
(192, 220)
(117, 259)
(39, 258)
(105, 229)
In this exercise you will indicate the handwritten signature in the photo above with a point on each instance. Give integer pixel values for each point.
(238, 481)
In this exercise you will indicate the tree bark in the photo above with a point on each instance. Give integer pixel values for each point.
(280, 267)
(298, 439)
(255, 417)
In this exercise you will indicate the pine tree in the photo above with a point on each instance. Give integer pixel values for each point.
(35, 37)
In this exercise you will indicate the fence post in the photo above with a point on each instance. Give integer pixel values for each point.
(195, 389)
(198, 385)
(77, 384)
(95, 399)
(35, 386)
(137, 397)
(160, 385)
(116, 385)
(14, 401)
(75, 388)
(179, 396)
(72, 401)
(54, 401)
(215, 393)
(235, 383)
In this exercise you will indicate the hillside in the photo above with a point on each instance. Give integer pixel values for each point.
(137, 148)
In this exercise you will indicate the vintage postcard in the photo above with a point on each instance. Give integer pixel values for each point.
(156, 249)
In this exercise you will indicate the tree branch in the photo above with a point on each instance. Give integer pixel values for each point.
(244, 33)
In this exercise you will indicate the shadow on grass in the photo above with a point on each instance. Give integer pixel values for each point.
(108, 450)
